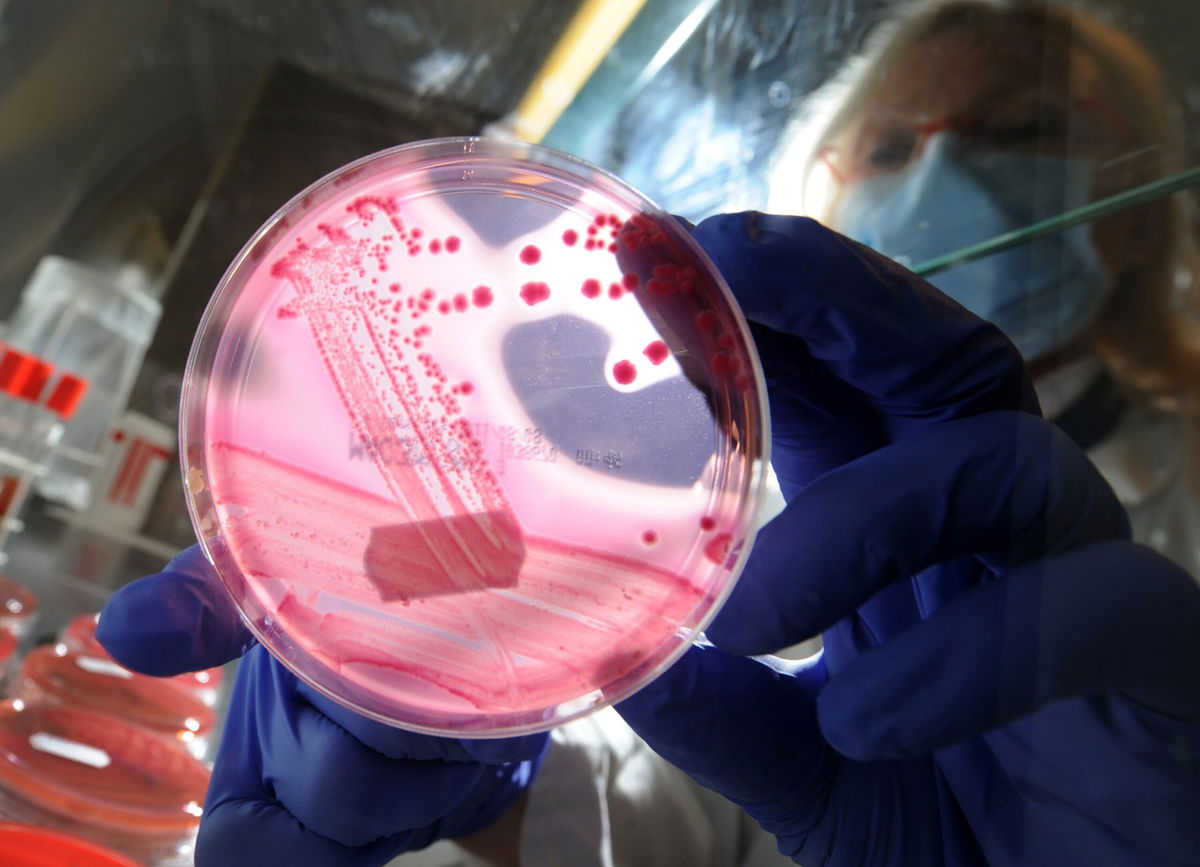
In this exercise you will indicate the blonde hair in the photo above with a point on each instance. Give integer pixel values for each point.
(1147, 333)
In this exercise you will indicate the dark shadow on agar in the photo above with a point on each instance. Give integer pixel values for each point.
(663, 434)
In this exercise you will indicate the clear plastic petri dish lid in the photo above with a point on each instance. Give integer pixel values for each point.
(57, 674)
(99, 770)
(475, 436)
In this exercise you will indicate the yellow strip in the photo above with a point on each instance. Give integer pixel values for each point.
(591, 34)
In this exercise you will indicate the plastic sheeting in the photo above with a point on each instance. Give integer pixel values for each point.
(700, 135)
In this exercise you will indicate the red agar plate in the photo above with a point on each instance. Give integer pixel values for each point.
(475, 435)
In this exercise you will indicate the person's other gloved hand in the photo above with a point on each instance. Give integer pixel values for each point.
(1006, 679)
(299, 779)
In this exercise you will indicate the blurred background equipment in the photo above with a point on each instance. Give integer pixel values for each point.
(79, 318)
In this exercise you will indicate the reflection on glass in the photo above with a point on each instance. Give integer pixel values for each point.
(1024, 156)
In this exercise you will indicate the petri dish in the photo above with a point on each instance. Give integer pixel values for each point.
(79, 635)
(98, 776)
(55, 674)
(475, 436)
(30, 846)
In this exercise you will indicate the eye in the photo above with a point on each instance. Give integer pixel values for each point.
(891, 150)
(1034, 128)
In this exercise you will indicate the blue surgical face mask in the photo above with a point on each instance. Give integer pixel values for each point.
(1043, 293)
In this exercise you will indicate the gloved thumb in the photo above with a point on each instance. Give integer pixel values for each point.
(181, 619)
(745, 728)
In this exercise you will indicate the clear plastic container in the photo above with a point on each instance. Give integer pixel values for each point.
(30, 846)
(52, 673)
(83, 319)
(475, 436)
(86, 773)
(16, 469)
(32, 431)
(79, 635)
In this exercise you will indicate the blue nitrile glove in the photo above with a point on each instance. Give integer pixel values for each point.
(298, 778)
(1006, 679)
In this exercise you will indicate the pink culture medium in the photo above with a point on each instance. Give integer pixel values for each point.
(448, 486)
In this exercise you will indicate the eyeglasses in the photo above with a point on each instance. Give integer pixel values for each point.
(889, 141)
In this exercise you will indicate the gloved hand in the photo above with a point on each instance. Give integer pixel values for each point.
(1005, 679)
(299, 779)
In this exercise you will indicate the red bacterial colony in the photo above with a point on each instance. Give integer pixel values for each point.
(723, 364)
(657, 352)
(717, 550)
(570, 237)
(624, 372)
(534, 293)
(591, 288)
(531, 255)
(452, 244)
(482, 296)
(649, 537)
(708, 523)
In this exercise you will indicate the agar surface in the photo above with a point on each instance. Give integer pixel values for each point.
(575, 620)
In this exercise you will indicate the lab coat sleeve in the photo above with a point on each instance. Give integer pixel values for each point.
(604, 799)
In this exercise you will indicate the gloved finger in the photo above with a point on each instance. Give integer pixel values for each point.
(279, 750)
(1005, 487)
(260, 833)
(918, 355)
(245, 822)
(397, 743)
(818, 422)
(1104, 618)
(345, 791)
(743, 727)
(180, 620)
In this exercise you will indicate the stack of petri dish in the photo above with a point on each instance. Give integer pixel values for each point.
(75, 770)
(92, 749)
(30, 846)
(55, 674)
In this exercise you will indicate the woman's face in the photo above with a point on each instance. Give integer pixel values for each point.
(1010, 85)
